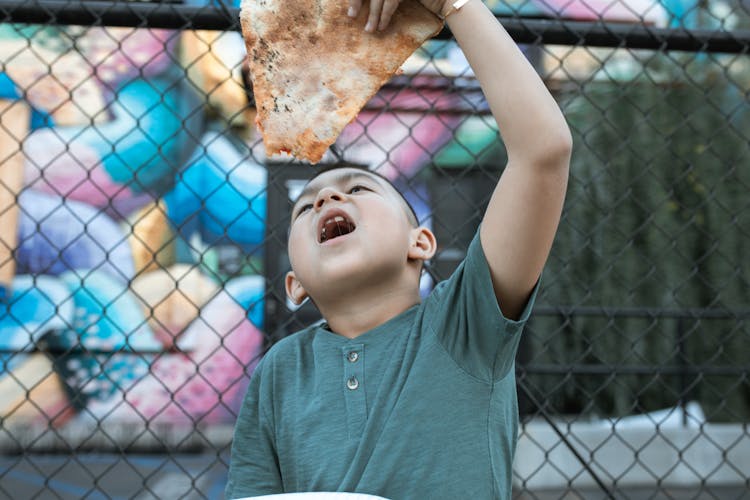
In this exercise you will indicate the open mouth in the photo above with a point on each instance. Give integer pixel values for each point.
(335, 226)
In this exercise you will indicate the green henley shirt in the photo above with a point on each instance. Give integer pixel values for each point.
(423, 406)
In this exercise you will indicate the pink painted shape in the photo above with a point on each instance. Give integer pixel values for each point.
(202, 386)
(631, 11)
(123, 53)
(400, 143)
(73, 170)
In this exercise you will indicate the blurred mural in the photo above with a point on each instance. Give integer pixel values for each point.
(109, 215)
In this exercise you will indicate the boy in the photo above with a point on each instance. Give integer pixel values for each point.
(391, 396)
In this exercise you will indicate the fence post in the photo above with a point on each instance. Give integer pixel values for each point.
(682, 364)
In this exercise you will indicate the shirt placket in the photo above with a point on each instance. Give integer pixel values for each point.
(354, 388)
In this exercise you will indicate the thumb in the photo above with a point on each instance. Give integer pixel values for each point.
(354, 7)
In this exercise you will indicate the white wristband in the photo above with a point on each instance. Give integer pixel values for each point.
(453, 8)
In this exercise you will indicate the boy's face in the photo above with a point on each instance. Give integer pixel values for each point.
(349, 228)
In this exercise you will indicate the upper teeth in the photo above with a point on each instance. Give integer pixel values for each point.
(336, 219)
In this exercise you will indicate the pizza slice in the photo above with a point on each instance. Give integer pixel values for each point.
(313, 68)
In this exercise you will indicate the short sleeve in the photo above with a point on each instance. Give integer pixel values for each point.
(253, 467)
(464, 315)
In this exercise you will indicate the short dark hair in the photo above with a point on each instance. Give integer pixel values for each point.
(411, 214)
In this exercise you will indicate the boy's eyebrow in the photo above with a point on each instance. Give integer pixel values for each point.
(343, 178)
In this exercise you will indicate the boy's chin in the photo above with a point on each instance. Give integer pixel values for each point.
(355, 273)
(344, 274)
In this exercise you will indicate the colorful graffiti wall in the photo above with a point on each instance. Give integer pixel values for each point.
(124, 165)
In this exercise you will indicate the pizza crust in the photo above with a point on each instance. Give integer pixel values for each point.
(313, 68)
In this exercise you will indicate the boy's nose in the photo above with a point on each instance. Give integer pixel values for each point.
(327, 194)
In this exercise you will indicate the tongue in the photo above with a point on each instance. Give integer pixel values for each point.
(335, 229)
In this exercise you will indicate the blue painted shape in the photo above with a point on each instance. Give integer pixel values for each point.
(151, 135)
(682, 13)
(107, 316)
(249, 293)
(10, 91)
(515, 8)
(37, 306)
(215, 3)
(221, 195)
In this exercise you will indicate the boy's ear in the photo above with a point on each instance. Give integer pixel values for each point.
(294, 289)
(423, 244)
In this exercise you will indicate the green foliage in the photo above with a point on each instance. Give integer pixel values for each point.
(657, 217)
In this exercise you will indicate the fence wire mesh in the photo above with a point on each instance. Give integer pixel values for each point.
(143, 241)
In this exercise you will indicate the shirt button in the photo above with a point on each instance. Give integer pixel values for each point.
(352, 383)
(353, 356)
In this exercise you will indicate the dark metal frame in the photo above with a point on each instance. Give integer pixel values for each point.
(522, 29)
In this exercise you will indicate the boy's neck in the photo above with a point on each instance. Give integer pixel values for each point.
(355, 314)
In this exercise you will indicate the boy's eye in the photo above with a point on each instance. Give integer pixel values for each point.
(303, 209)
(357, 189)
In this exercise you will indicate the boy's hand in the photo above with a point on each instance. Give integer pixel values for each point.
(381, 11)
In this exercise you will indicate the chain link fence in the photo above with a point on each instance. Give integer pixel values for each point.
(143, 241)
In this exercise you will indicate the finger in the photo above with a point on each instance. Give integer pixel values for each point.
(389, 7)
(354, 7)
(376, 7)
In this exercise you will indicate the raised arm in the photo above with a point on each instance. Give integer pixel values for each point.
(524, 211)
